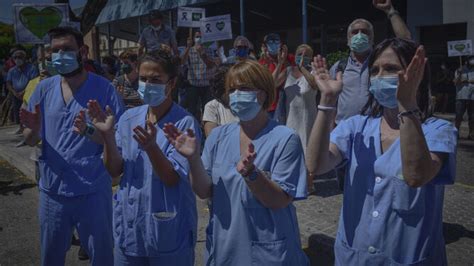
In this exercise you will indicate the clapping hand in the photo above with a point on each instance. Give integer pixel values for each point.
(103, 121)
(409, 80)
(185, 143)
(246, 164)
(31, 120)
(327, 86)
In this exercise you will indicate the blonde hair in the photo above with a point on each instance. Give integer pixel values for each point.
(306, 47)
(249, 73)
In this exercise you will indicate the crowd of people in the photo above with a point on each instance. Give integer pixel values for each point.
(247, 132)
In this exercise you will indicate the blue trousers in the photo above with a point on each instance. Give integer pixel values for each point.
(184, 258)
(90, 214)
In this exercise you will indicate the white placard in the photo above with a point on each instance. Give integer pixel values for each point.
(33, 21)
(190, 17)
(460, 48)
(216, 28)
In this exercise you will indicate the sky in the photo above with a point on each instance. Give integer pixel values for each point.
(6, 14)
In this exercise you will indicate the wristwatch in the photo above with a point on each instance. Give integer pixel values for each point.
(89, 131)
(252, 176)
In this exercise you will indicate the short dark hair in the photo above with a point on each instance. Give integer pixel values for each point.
(217, 84)
(155, 14)
(405, 50)
(58, 32)
(164, 58)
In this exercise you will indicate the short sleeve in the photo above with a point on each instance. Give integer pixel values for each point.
(210, 113)
(442, 138)
(332, 70)
(35, 97)
(141, 39)
(115, 102)
(289, 171)
(10, 75)
(341, 136)
(207, 156)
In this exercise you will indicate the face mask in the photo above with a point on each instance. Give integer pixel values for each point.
(244, 104)
(360, 43)
(242, 52)
(152, 94)
(19, 62)
(197, 40)
(126, 68)
(65, 62)
(50, 68)
(157, 27)
(384, 90)
(273, 48)
(306, 60)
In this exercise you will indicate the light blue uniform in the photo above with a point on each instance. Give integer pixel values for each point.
(75, 188)
(241, 230)
(141, 237)
(384, 221)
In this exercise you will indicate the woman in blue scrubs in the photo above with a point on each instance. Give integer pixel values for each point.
(253, 170)
(155, 218)
(399, 159)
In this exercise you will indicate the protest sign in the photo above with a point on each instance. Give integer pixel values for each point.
(216, 28)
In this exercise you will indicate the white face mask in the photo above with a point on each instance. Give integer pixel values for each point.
(19, 62)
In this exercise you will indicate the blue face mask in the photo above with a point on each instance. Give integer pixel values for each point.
(242, 52)
(360, 43)
(152, 94)
(65, 62)
(306, 60)
(384, 90)
(273, 47)
(50, 68)
(244, 104)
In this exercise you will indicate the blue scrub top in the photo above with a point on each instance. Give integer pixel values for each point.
(384, 221)
(241, 230)
(138, 228)
(20, 78)
(70, 164)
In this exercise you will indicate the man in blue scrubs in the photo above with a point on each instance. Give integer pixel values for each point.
(75, 189)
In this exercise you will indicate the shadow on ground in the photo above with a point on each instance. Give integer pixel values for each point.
(453, 232)
(320, 250)
(12, 180)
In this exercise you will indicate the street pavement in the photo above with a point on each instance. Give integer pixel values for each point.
(317, 216)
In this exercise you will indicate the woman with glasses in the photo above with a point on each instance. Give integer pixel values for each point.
(253, 170)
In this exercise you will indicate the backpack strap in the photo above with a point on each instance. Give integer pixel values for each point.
(341, 65)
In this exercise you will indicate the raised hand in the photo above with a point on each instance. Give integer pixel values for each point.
(146, 137)
(410, 79)
(80, 122)
(31, 120)
(185, 143)
(327, 86)
(102, 121)
(246, 166)
(384, 5)
(283, 54)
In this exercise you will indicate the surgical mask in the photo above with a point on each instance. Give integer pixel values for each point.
(152, 94)
(19, 62)
(244, 104)
(126, 68)
(157, 27)
(273, 48)
(242, 52)
(197, 40)
(50, 68)
(384, 90)
(65, 62)
(306, 60)
(360, 43)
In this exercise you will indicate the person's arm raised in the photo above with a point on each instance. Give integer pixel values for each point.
(187, 145)
(398, 25)
(322, 156)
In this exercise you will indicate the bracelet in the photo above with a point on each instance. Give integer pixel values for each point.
(415, 112)
(326, 108)
(392, 13)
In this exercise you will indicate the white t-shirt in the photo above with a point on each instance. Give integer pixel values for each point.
(301, 107)
(215, 112)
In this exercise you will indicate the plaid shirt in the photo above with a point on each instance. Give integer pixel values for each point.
(198, 73)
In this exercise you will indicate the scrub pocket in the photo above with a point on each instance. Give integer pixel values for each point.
(423, 262)
(269, 253)
(407, 201)
(164, 232)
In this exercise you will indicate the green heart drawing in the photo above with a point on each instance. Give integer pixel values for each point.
(40, 22)
(220, 25)
(460, 47)
(197, 16)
